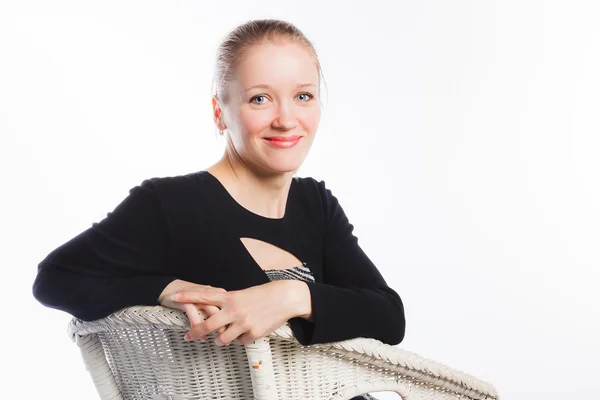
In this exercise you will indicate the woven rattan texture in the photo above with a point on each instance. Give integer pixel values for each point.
(139, 353)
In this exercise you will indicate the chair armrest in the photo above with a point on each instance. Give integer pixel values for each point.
(337, 370)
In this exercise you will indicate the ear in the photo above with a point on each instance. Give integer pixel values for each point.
(218, 114)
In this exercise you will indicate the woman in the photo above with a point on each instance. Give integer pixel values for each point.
(243, 240)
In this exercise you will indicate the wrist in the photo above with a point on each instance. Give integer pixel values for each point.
(298, 299)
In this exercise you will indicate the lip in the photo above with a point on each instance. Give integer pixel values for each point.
(290, 138)
(283, 141)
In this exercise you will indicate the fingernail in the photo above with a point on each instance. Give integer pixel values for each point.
(176, 296)
(218, 342)
(187, 337)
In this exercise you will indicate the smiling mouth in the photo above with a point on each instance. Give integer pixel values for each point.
(283, 138)
(281, 142)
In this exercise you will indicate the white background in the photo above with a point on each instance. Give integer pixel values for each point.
(460, 137)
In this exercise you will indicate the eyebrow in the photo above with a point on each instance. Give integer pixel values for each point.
(265, 86)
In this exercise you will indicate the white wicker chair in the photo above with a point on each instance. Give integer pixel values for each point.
(139, 353)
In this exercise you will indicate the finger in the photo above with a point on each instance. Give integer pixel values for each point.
(215, 298)
(211, 324)
(210, 311)
(192, 313)
(207, 308)
(235, 331)
(202, 332)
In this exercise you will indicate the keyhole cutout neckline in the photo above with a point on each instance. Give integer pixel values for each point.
(264, 276)
(246, 211)
(256, 249)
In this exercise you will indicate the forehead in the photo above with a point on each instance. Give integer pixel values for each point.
(276, 65)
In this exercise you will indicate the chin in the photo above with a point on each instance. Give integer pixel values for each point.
(284, 169)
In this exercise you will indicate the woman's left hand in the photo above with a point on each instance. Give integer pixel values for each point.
(246, 314)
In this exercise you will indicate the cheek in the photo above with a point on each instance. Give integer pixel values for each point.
(311, 119)
(253, 122)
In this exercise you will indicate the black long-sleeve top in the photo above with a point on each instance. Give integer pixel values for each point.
(189, 227)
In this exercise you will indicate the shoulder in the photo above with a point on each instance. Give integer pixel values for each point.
(334, 217)
(173, 182)
(177, 192)
(176, 185)
(319, 192)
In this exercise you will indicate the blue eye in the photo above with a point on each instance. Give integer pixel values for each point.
(257, 97)
(252, 100)
(310, 96)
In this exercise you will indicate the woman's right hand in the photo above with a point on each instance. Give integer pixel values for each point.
(190, 309)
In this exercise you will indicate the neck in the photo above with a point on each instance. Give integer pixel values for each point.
(256, 190)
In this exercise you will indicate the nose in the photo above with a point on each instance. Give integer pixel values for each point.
(284, 118)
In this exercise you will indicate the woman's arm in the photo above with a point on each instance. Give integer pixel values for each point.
(354, 300)
(121, 261)
(299, 299)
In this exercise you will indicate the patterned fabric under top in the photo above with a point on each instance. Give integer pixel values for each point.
(303, 273)
(300, 272)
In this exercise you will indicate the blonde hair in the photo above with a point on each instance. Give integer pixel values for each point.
(254, 32)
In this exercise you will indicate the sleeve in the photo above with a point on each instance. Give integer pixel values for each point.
(354, 300)
(121, 261)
